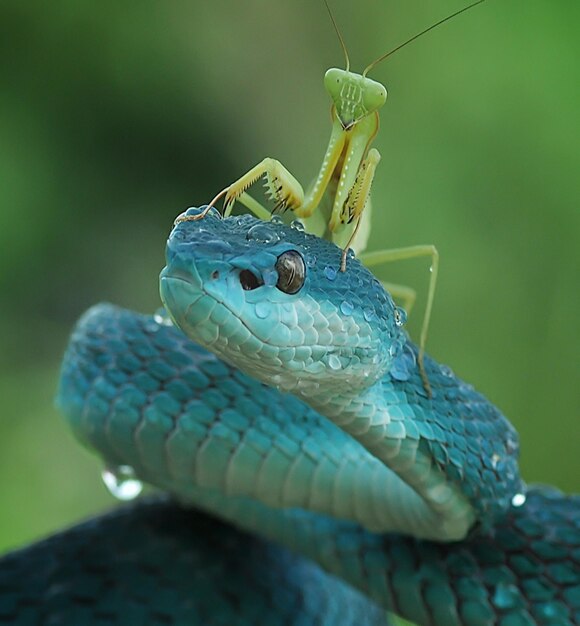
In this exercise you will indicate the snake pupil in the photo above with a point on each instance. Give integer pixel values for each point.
(249, 280)
(291, 272)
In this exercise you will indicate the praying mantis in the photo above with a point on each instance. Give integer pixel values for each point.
(337, 205)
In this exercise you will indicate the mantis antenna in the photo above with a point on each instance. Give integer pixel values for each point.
(423, 32)
(347, 60)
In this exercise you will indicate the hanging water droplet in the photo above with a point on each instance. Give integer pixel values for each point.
(122, 482)
(346, 307)
(330, 272)
(400, 316)
(519, 500)
(263, 309)
(262, 232)
(297, 225)
(276, 219)
(334, 362)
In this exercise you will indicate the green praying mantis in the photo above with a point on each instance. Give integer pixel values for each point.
(337, 205)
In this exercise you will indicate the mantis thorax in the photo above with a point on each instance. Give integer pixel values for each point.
(355, 96)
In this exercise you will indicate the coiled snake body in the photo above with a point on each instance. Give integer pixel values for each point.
(306, 424)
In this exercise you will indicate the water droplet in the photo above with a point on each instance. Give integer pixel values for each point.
(162, 318)
(263, 309)
(495, 459)
(330, 272)
(519, 500)
(334, 362)
(262, 232)
(122, 482)
(276, 219)
(311, 260)
(369, 314)
(400, 316)
(346, 307)
(446, 371)
(350, 254)
(297, 225)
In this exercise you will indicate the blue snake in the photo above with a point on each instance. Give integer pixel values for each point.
(282, 399)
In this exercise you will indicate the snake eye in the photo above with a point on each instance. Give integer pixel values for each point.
(291, 272)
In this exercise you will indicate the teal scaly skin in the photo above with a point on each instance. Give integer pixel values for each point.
(307, 424)
(138, 392)
(339, 345)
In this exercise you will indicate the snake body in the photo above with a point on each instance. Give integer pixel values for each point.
(291, 406)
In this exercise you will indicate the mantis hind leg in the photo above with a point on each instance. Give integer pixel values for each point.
(402, 293)
(401, 254)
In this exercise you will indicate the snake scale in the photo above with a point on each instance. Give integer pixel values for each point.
(282, 398)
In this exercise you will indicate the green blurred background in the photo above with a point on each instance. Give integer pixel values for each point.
(114, 117)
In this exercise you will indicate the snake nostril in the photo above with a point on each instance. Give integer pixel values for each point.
(215, 275)
(249, 280)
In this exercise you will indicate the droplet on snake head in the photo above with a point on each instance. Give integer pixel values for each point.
(297, 225)
(519, 500)
(262, 233)
(495, 459)
(311, 260)
(330, 272)
(122, 482)
(446, 371)
(334, 362)
(276, 219)
(350, 254)
(369, 314)
(400, 316)
(263, 308)
(346, 307)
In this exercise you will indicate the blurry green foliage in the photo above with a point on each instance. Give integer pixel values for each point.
(114, 117)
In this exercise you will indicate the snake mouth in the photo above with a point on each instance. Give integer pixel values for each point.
(218, 312)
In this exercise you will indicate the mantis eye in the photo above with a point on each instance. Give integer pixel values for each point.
(291, 272)
(333, 80)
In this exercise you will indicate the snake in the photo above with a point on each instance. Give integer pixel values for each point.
(312, 476)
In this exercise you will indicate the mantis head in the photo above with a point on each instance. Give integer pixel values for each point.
(355, 96)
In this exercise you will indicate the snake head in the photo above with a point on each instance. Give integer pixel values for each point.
(270, 299)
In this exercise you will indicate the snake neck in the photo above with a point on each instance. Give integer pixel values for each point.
(382, 421)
